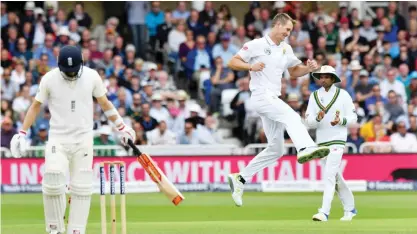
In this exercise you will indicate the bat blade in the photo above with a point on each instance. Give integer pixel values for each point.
(160, 179)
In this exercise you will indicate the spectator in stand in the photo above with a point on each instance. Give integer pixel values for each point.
(224, 49)
(9, 88)
(18, 74)
(22, 53)
(198, 60)
(367, 31)
(264, 22)
(392, 84)
(180, 13)
(375, 97)
(176, 120)
(193, 23)
(154, 18)
(356, 44)
(412, 88)
(240, 38)
(140, 134)
(161, 135)
(164, 86)
(42, 137)
(354, 137)
(403, 141)
(393, 15)
(393, 106)
(344, 31)
(4, 15)
(105, 137)
(355, 67)
(176, 37)
(83, 18)
(221, 78)
(158, 111)
(207, 17)
(7, 132)
(404, 76)
(96, 55)
(47, 49)
(302, 38)
(163, 30)
(190, 136)
(11, 43)
(390, 30)
(136, 11)
(88, 62)
(148, 123)
(207, 133)
(294, 86)
(364, 89)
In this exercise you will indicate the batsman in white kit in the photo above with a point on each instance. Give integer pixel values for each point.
(330, 109)
(69, 91)
(266, 59)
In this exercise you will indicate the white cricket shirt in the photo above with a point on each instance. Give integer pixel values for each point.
(71, 105)
(332, 101)
(277, 59)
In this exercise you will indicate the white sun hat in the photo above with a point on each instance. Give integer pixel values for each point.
(326, 69)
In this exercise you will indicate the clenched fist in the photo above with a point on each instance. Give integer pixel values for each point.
(312, 65)
(257, 67)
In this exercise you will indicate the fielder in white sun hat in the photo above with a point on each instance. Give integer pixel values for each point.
(326, 69)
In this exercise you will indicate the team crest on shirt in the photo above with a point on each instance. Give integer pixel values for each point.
(245, 48)
(283, 51)
(267, 51)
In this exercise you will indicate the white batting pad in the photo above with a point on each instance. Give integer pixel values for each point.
(54, 200)
(81, 189)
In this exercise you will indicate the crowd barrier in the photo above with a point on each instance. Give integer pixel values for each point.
(173, 150)
(209, 173)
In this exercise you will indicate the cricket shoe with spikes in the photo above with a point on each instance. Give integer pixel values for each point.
(348, 216)
(322, 217)
(236, 186)
(310, 153)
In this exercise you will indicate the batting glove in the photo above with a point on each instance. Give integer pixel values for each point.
(18, 144)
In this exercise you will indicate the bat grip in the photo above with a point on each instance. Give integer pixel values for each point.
(133, 146)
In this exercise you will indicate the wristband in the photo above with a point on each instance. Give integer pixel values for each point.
(23, 132)
(119, 121)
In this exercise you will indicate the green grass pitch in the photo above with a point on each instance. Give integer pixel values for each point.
(212, 213)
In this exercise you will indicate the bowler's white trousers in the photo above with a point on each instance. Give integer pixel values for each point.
(276, 116)
(333, 181)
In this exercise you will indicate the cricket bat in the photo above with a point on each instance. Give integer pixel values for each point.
(157, 175)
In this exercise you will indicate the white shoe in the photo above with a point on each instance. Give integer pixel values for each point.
(349, 215)
(322, 217)
(237, 188)
(311, 153)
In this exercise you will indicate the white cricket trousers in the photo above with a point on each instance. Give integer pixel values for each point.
(276, 116)
(333, 181)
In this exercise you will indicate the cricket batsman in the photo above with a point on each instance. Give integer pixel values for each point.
(69, 91)
(266, 59)
(330, 110)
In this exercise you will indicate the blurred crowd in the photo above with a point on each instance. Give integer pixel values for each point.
(169, 80)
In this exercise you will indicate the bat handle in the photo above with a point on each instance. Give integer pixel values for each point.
(133, 146)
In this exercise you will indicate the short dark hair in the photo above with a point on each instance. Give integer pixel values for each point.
(282, 18)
